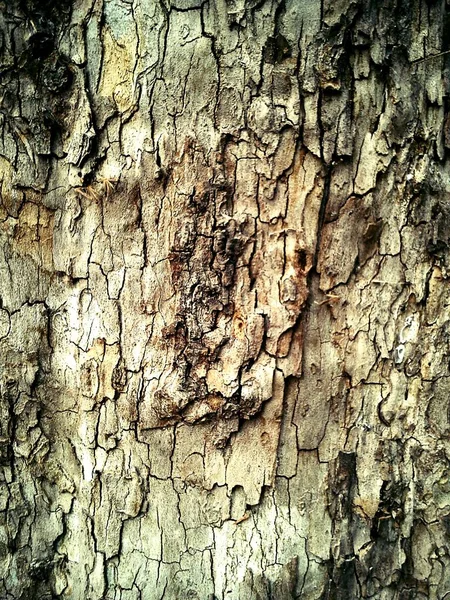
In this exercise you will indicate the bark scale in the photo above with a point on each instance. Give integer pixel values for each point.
(223, 324)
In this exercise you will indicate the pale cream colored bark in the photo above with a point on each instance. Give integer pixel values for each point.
(224, 300)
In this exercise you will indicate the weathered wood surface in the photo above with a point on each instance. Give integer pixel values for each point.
(224, 319)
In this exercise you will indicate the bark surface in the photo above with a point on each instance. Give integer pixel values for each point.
(224, 326)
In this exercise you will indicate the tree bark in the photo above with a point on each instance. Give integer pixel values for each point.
(224, 299)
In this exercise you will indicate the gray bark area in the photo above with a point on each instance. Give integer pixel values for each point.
(224, 321)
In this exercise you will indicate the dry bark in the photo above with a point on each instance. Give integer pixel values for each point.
(224, 301)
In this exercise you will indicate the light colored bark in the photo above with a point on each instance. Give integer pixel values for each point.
(224, 300)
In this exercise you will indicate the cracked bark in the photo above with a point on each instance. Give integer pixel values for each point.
(223, 322)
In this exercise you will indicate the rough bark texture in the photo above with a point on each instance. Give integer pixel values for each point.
(224, 327)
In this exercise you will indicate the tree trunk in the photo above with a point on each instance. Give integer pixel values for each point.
(224, 302)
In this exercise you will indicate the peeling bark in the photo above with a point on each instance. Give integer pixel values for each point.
(223, 322)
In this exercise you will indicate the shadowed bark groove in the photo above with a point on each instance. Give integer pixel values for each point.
(224, 254)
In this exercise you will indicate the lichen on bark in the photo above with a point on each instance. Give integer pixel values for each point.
(223, 321)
